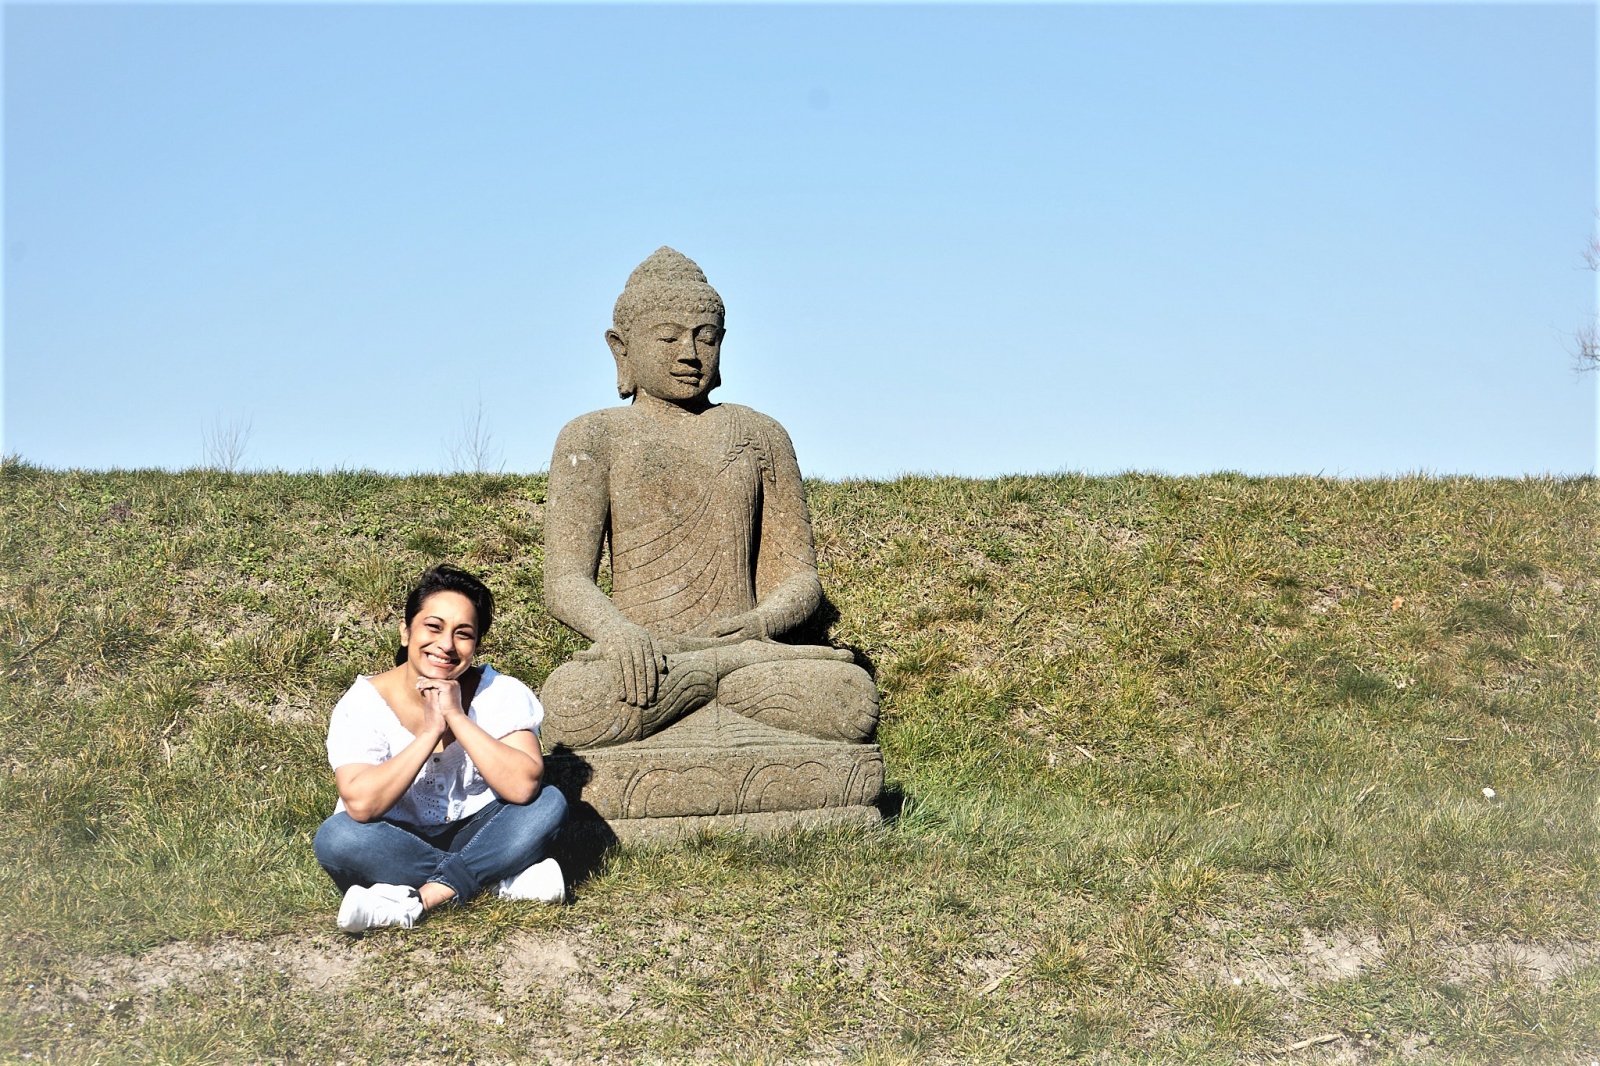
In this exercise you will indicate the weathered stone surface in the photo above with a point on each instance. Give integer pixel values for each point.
(689, 705)
(715, 763)
(765, 824)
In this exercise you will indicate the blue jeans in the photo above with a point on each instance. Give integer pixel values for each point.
(499, 841)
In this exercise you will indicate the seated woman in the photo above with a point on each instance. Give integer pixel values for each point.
(439, 772)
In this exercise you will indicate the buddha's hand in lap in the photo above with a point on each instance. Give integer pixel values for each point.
(816, 651)
(731, 657)
(743, 639)
(640, 661)
(747, 626)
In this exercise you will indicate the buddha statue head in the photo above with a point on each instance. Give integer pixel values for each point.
(667, 330)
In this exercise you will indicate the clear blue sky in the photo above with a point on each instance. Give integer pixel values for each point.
(975, 240)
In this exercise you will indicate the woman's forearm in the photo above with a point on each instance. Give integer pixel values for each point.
(512, 773)
(369, 791)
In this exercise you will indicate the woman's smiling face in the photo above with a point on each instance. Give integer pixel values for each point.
(441, 639)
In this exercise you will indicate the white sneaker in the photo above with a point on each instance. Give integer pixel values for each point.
(542, 881)
(380, 905)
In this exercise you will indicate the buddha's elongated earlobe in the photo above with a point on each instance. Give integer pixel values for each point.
(619, 352)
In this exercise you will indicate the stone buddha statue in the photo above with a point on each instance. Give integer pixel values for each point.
(711, 552)
(703, 511)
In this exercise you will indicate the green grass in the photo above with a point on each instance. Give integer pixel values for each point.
(1159, 743)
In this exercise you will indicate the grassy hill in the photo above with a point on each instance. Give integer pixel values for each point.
(1190, 768)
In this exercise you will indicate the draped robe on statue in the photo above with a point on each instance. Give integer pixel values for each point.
(706, 517)
(725, 536)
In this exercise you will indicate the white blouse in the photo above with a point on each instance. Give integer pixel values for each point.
(448, 788)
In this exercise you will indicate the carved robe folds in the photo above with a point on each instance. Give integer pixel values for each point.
(706, 521)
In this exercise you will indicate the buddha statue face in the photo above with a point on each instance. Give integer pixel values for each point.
(671, 355)
(666, 333)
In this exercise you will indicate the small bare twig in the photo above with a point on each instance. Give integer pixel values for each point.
(1587, 354)
(16, 664)
(1301, 1045)
(997, 982)
(472, 447)
(225, 442)
(891, 1003)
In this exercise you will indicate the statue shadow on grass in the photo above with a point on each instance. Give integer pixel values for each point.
(818, 629)
(890, 802)
(585, 838)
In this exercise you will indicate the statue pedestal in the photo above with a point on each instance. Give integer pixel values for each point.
(717, 771)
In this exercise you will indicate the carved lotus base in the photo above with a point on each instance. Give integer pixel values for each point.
(719, 771)
(766, 824)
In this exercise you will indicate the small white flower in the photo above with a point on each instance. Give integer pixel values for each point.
(1488, 793)
(1238, 980)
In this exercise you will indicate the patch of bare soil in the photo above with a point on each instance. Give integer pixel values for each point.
(1121, 538)
(317, 964)
(531, 961)
(1327, 598)
(1356, 1049)
(445, 1005)
(1336, 955)
(283, 712)
(1541, 963)
(1319, 958)
(530, 964)
(1339, 954)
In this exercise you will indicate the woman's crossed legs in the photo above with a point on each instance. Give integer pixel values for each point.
(465, 857)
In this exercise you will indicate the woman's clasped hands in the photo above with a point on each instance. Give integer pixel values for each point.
(441, 701)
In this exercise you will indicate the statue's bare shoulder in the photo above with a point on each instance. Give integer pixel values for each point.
(588, 438)
(769, 428)
(764, 422)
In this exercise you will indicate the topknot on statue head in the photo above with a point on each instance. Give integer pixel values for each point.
(667, 281)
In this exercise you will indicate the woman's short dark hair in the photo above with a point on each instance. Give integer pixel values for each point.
(447, 578)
